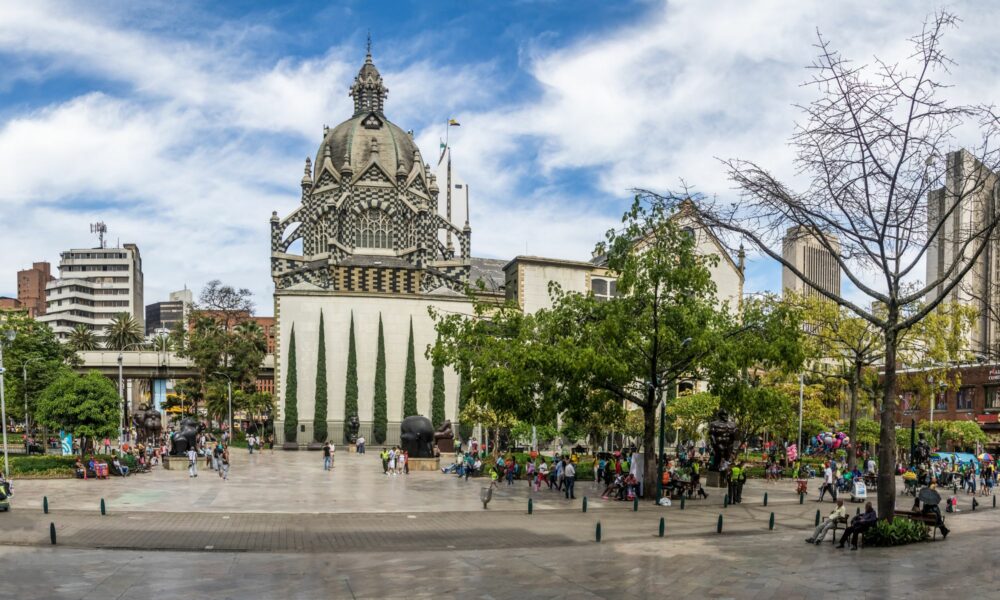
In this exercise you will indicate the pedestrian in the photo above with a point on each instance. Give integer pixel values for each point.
(250, 442)
(827, 484)
(569, 478)
(192, 462)
(384, 455)
(327, 459)
(107, 444)
(361, 444)
(392, 462)
(224, 464)
(402, 462)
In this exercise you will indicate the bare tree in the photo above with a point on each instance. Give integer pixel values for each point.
(225, 304)
(870, 146)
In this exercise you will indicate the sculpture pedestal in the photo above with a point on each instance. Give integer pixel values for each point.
(446, 445)
(352, 448)
(290, 446)
(424, 464)
(713, 479)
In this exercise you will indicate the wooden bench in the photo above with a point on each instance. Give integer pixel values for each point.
(836, 526)
(927, 519)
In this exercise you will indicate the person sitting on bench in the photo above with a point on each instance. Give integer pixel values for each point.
(931, 508)
(838, 514)
(859, 525)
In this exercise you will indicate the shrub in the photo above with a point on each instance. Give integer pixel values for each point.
(898, 532)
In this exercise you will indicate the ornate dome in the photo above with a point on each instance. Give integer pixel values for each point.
(368, 132)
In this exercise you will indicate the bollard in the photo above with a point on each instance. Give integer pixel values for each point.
(45, 504)
(718, 527)
(857, 511)
(725, 501)
(635, 505)
(52, 533)
(770, 523)
(103, 509)
(802, 498)
(682, 502)
(974, 503)
(584, 504)
(597, 532)
(994, 501)
(817, 517)
(765, 498)
(530, 507)
(663, 526)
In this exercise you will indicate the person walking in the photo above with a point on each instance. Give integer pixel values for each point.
(360, 444)
(392, 462)
(838, 514)
(384, 455)
(224, 464)
(401, 463)
(192, 462)
(569, 478)
(828, 485)
(327, 459)
(107, 444)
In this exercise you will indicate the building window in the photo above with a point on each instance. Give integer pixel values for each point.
(374, 230)
(603, 289)
(906, 401)
(942, 401)
(993, 397)
(964, 400)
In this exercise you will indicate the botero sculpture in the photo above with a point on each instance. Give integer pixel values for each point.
(351, 429)
(722, 435)
(416, 435)
(186, 437)
(147, 424)
(444, 438)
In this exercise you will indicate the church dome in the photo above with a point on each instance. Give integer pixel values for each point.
(368, 132)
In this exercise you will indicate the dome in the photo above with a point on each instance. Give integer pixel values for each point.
(359, 136)
(368, 131)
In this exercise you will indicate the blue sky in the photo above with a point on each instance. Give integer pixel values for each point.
(183, 125)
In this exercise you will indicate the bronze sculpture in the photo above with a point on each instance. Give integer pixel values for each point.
(722, 435)
(186, 437)
(417, 436)
(351, 429)
(148, 424)
(444, 438)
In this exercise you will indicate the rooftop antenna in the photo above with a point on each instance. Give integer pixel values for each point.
(100, 229)
(368, 46)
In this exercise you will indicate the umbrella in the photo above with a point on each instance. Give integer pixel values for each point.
(986, 456)
(929, 496)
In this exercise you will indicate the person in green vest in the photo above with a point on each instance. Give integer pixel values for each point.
(384, 455)
(734, 477)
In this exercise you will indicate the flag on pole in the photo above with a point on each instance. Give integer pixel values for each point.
(454, 123)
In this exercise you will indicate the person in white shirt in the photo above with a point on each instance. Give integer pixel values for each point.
(361, 444)
(838, 514)
(192, 462)
(569, 479)
(828, 484)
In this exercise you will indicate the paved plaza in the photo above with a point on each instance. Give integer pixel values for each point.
(281, 527)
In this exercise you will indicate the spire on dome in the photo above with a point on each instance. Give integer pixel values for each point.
(368, 91)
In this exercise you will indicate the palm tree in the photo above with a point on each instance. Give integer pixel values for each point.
(82, 339)
(123, 332)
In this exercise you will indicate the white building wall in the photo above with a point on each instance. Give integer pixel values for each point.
(536, 279)
(303, 311)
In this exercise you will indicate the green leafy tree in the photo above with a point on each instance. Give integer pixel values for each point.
(86, 405)
(963, 434)
(319, 420)
(437, 395)
(123, 333)
(351, 387)
(380, 416)
(33, 360)
(688, 411)
(410, 383)
(82, 339)
(292, 393)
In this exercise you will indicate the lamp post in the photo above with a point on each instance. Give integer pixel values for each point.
(10, 335)
(802, 389)
(121, 402)
(24, 381)
(229, 393)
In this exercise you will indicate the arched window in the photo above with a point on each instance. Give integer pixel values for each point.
(374, 230)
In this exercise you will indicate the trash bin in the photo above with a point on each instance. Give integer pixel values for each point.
(486, 494)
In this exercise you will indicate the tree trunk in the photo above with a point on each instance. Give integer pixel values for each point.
(649, 449)
(887, 437)
(852, 454)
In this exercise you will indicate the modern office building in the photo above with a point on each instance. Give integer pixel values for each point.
(31, 287)
(813, 259)
(969, 192)
(94, 285)
(170, 314)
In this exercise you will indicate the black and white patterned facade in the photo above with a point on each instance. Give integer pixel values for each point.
(369, 218)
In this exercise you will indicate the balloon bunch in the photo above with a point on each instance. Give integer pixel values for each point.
(833, 441)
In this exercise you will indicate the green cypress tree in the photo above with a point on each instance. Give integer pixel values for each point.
(410, 383)
(351, 389)
(464, 393)
(380, 416)
(319, 420)
(291, 393)
(437, 396)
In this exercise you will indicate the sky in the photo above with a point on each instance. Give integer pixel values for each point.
(183, 125)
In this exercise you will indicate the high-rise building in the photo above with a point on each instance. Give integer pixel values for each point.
(801, 248)
(31, 287)
(168, 315)
(94, 285)
(965, 201)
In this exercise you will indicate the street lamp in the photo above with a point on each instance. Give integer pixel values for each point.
(229, 392)
(24, 378)
(121, 402)
(10, 334)
(661, 459)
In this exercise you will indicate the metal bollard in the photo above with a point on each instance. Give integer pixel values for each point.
(635, 505)
(530, 507)
(770, 523)
(103, 509)
(52, 533)
(725, 501)
(663, 526)
(597, 532)
(718, 527)
(45, 504)
(584, 504)
(994, 501)
(682, 502)
(765, 498)
(817, 517)
(802, 498)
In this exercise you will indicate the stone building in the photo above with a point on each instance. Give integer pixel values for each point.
(368, 243)
(31, 287)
